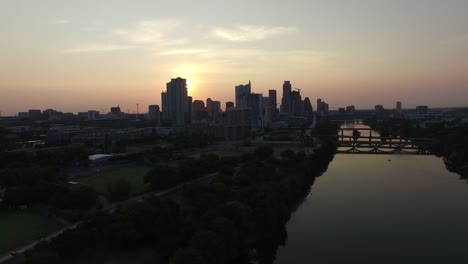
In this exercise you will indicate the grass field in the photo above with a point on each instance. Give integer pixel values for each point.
(18, 228)
(133, 174)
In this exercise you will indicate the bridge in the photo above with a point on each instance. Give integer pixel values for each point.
(357, 144)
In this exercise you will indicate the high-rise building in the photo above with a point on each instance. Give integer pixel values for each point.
(189, 111)
(216, 114)
(324, 108)
(308, 106)
(175, 103)
(153, 113)
(242, 91)
(93, 115)
(398, 107)
(255, 102)
(198, 111)
(272, 98)
(216, 107)
(319, 105)
(422, 109)
(116, 111)
(209, 107)
(286, 100)
(296, 104)
(350, 109)
(229, 105)
(34, 114)
(238, 123)
(379, 109)
(272, 102)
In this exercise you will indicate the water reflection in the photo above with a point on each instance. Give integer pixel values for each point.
(381, 209)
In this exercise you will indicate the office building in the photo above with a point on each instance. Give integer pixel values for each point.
(398, 107)
(93, 115)
(350, 110)
(176, 105)
(34, 114)
(422, 110)
(242, 91)
(286, 100)
(308, 109)
(154, 113)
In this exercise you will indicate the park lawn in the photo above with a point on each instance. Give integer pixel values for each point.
(133, 174)
(230, 153)
(18, 228)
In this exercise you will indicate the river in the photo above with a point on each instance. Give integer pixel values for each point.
(381, 209)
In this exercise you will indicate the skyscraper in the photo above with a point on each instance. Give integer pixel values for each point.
(286, 101)
(198, 111)
(296, 104)
(255, 102)
(398, 107)
(308, 106)
(209, 107)
(242, 91)
(319, 105)
(175, 102)
(272, 100)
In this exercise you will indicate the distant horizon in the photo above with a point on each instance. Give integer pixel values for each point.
(144, 110)
(97, 54)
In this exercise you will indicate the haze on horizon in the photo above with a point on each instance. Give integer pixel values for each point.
(80, 55)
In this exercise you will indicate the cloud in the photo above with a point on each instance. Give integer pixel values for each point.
(99, 47)
(151, 32)
(309, 56)
(463, 38)
(245, 33)
(62, 21)
(183, 51)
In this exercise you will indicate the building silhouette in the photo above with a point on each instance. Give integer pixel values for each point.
(398, 107)
(229, 105)
(242, 92)
(176, 104)
(272, 101)
(154, 113)
(199, 112)
(286, 100)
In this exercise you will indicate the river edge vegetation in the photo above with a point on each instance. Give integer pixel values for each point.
(237, 217)
(451, 139)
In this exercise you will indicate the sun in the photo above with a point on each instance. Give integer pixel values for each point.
(189, 83)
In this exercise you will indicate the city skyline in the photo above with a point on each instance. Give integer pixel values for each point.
(72, 57)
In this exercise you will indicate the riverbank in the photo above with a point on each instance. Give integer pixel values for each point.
(451, 138)
(380, 209)
(234, 219)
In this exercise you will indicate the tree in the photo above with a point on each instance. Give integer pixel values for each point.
(74, 197)
(162, 177)
(187, 256)
(264, 152)
(211, 247)
(119, 190)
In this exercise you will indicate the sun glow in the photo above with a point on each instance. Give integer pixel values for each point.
(193, 75)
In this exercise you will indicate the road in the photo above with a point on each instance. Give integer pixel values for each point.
(109, 209)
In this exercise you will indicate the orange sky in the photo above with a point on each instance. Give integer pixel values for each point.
(74, 56)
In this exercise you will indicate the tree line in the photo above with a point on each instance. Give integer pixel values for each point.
(236, 218)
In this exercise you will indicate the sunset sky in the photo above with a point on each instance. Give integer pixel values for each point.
(94, 54)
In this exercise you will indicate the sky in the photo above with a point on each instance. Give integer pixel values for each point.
(80, 55)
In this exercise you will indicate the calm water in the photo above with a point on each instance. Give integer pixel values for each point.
(381, 209)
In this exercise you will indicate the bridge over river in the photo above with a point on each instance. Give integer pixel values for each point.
(350, 140)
